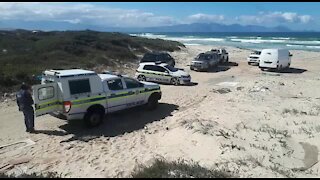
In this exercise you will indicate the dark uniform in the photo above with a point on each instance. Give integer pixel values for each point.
(25, 102)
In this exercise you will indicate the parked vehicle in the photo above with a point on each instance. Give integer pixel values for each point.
(162, 57)
(254, 57)
(81, 94)
(275, 59)
(205, 61)
(223, 55)
(162, 72)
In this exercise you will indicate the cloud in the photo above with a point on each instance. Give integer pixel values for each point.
(274, 17)
(204, 18)
(81, 13)
(97, 15)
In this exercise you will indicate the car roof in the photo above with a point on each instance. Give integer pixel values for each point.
(108, 76)
(153, 63)
(69, 72)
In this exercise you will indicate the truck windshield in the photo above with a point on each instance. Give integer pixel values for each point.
(172, 69)
(204, 57)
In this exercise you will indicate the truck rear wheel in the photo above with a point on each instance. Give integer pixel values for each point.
(93, 118)
(152, 102)
(142, 78)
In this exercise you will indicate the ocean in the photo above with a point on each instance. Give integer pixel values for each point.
(289, 40)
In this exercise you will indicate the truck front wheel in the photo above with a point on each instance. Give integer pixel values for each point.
(152, 102)
(93, 118)
(175, 81)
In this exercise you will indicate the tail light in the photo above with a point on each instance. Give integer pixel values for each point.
(67, 106)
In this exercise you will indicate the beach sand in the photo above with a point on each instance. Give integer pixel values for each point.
(267, 126)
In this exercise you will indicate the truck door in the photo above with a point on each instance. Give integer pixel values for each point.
(46, 99)
(134, 88)
(116, 95)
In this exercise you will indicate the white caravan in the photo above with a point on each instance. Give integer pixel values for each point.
(81, 94)
(274, 59)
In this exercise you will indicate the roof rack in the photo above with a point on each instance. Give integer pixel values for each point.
(158, 62)
(112, 73)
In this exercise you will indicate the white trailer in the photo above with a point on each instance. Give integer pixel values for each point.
(275, 59)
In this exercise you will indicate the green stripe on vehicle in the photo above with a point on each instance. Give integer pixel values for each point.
(153, 73)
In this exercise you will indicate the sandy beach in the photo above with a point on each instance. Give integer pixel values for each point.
(254, 123)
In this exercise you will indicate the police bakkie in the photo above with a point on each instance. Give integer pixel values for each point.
(82, 94)
(162, 72)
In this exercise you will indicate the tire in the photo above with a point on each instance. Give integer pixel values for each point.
(142, 78)
(152, 102)
(93, 118)
(280, 68)
(227, 60)
(191, 68)
(249, 63)
(175, 81)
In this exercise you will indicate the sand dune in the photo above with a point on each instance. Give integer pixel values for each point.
(262, 124)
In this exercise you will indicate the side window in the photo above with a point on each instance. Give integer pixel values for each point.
(148, 67)
(115, 84)
(131, 83)
(160, 69)
(79, 86)
(45, 93)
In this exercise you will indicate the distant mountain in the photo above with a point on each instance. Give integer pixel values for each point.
(214, 27)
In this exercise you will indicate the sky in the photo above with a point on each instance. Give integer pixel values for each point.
(295, 15)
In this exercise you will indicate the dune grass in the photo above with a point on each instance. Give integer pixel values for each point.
(23, 53)
(177, 169)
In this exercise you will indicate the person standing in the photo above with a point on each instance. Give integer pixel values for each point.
(25, 102)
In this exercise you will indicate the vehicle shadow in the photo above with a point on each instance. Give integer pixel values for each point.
(168, 84)
(218, 69)
(229, 64)
(114, 124)
(289, 71)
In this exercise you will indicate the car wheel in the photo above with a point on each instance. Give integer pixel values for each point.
(249, 63)
(280, 68)
(152, 102)
(142, 78)
(227, 59)
(93, 118)
(175, 81)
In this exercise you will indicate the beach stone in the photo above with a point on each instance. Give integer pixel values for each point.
(240, 88)
(281, 84)
(221, 90)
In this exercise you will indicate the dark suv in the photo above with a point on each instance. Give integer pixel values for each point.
(159, 57)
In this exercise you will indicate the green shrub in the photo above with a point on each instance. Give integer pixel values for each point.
(33, 175)
(179, 169)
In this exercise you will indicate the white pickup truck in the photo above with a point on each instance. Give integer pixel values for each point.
(81, 94)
